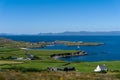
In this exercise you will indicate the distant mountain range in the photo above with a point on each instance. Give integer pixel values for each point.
(67, 33)
(82, 33)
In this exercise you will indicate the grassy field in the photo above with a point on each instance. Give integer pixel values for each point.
(82, 68)
(46, 61)
(9, 62)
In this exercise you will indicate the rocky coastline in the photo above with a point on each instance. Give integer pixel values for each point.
(78, 53)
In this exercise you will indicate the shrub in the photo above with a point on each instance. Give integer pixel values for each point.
(118, 76)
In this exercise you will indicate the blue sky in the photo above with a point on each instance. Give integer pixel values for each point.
(35, 16)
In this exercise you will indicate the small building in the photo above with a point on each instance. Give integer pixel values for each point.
(23, 48)
(52, 69)
(68, 68)
(101, 68)
(21, 58)
(30, 56)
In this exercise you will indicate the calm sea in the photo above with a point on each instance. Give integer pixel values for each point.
(108, 52)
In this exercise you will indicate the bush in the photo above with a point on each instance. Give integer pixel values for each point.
(11, 57)
(103, 71)
(118, 76)
(3, 58)
(2, 78)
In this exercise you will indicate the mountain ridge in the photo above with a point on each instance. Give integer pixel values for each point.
(67, 33)
(83, 33)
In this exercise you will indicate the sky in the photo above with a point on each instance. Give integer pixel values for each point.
(44, 16)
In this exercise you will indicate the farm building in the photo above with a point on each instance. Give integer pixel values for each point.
(101, 68)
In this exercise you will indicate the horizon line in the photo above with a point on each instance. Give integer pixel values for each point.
(52, 32)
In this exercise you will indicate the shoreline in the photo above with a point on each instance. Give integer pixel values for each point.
(78, 53)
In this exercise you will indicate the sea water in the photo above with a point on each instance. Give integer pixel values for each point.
(108, 52)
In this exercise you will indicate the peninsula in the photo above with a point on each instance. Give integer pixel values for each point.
(21, 44)
(80, 43)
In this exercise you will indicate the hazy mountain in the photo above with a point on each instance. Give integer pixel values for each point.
(83, 33)
(67, 33)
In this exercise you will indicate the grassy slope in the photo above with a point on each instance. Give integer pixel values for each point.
(7, 43)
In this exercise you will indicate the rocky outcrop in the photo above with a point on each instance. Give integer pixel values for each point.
(78, 53)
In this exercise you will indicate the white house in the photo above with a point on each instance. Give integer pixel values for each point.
(21, 58)
(101, 68)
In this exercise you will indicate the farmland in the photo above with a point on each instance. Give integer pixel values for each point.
(38, 67)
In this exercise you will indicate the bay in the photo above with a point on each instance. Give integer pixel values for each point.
(108, 52)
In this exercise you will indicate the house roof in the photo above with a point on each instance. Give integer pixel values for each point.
(103, 67)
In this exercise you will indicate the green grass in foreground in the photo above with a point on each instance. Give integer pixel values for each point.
(56, 76)
(46, 61)
(33, 68)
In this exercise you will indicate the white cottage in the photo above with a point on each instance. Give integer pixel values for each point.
(101, 68)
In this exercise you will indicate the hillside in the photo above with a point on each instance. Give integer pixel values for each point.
(7, 43)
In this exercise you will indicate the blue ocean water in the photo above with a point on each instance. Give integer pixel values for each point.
(108, 52)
